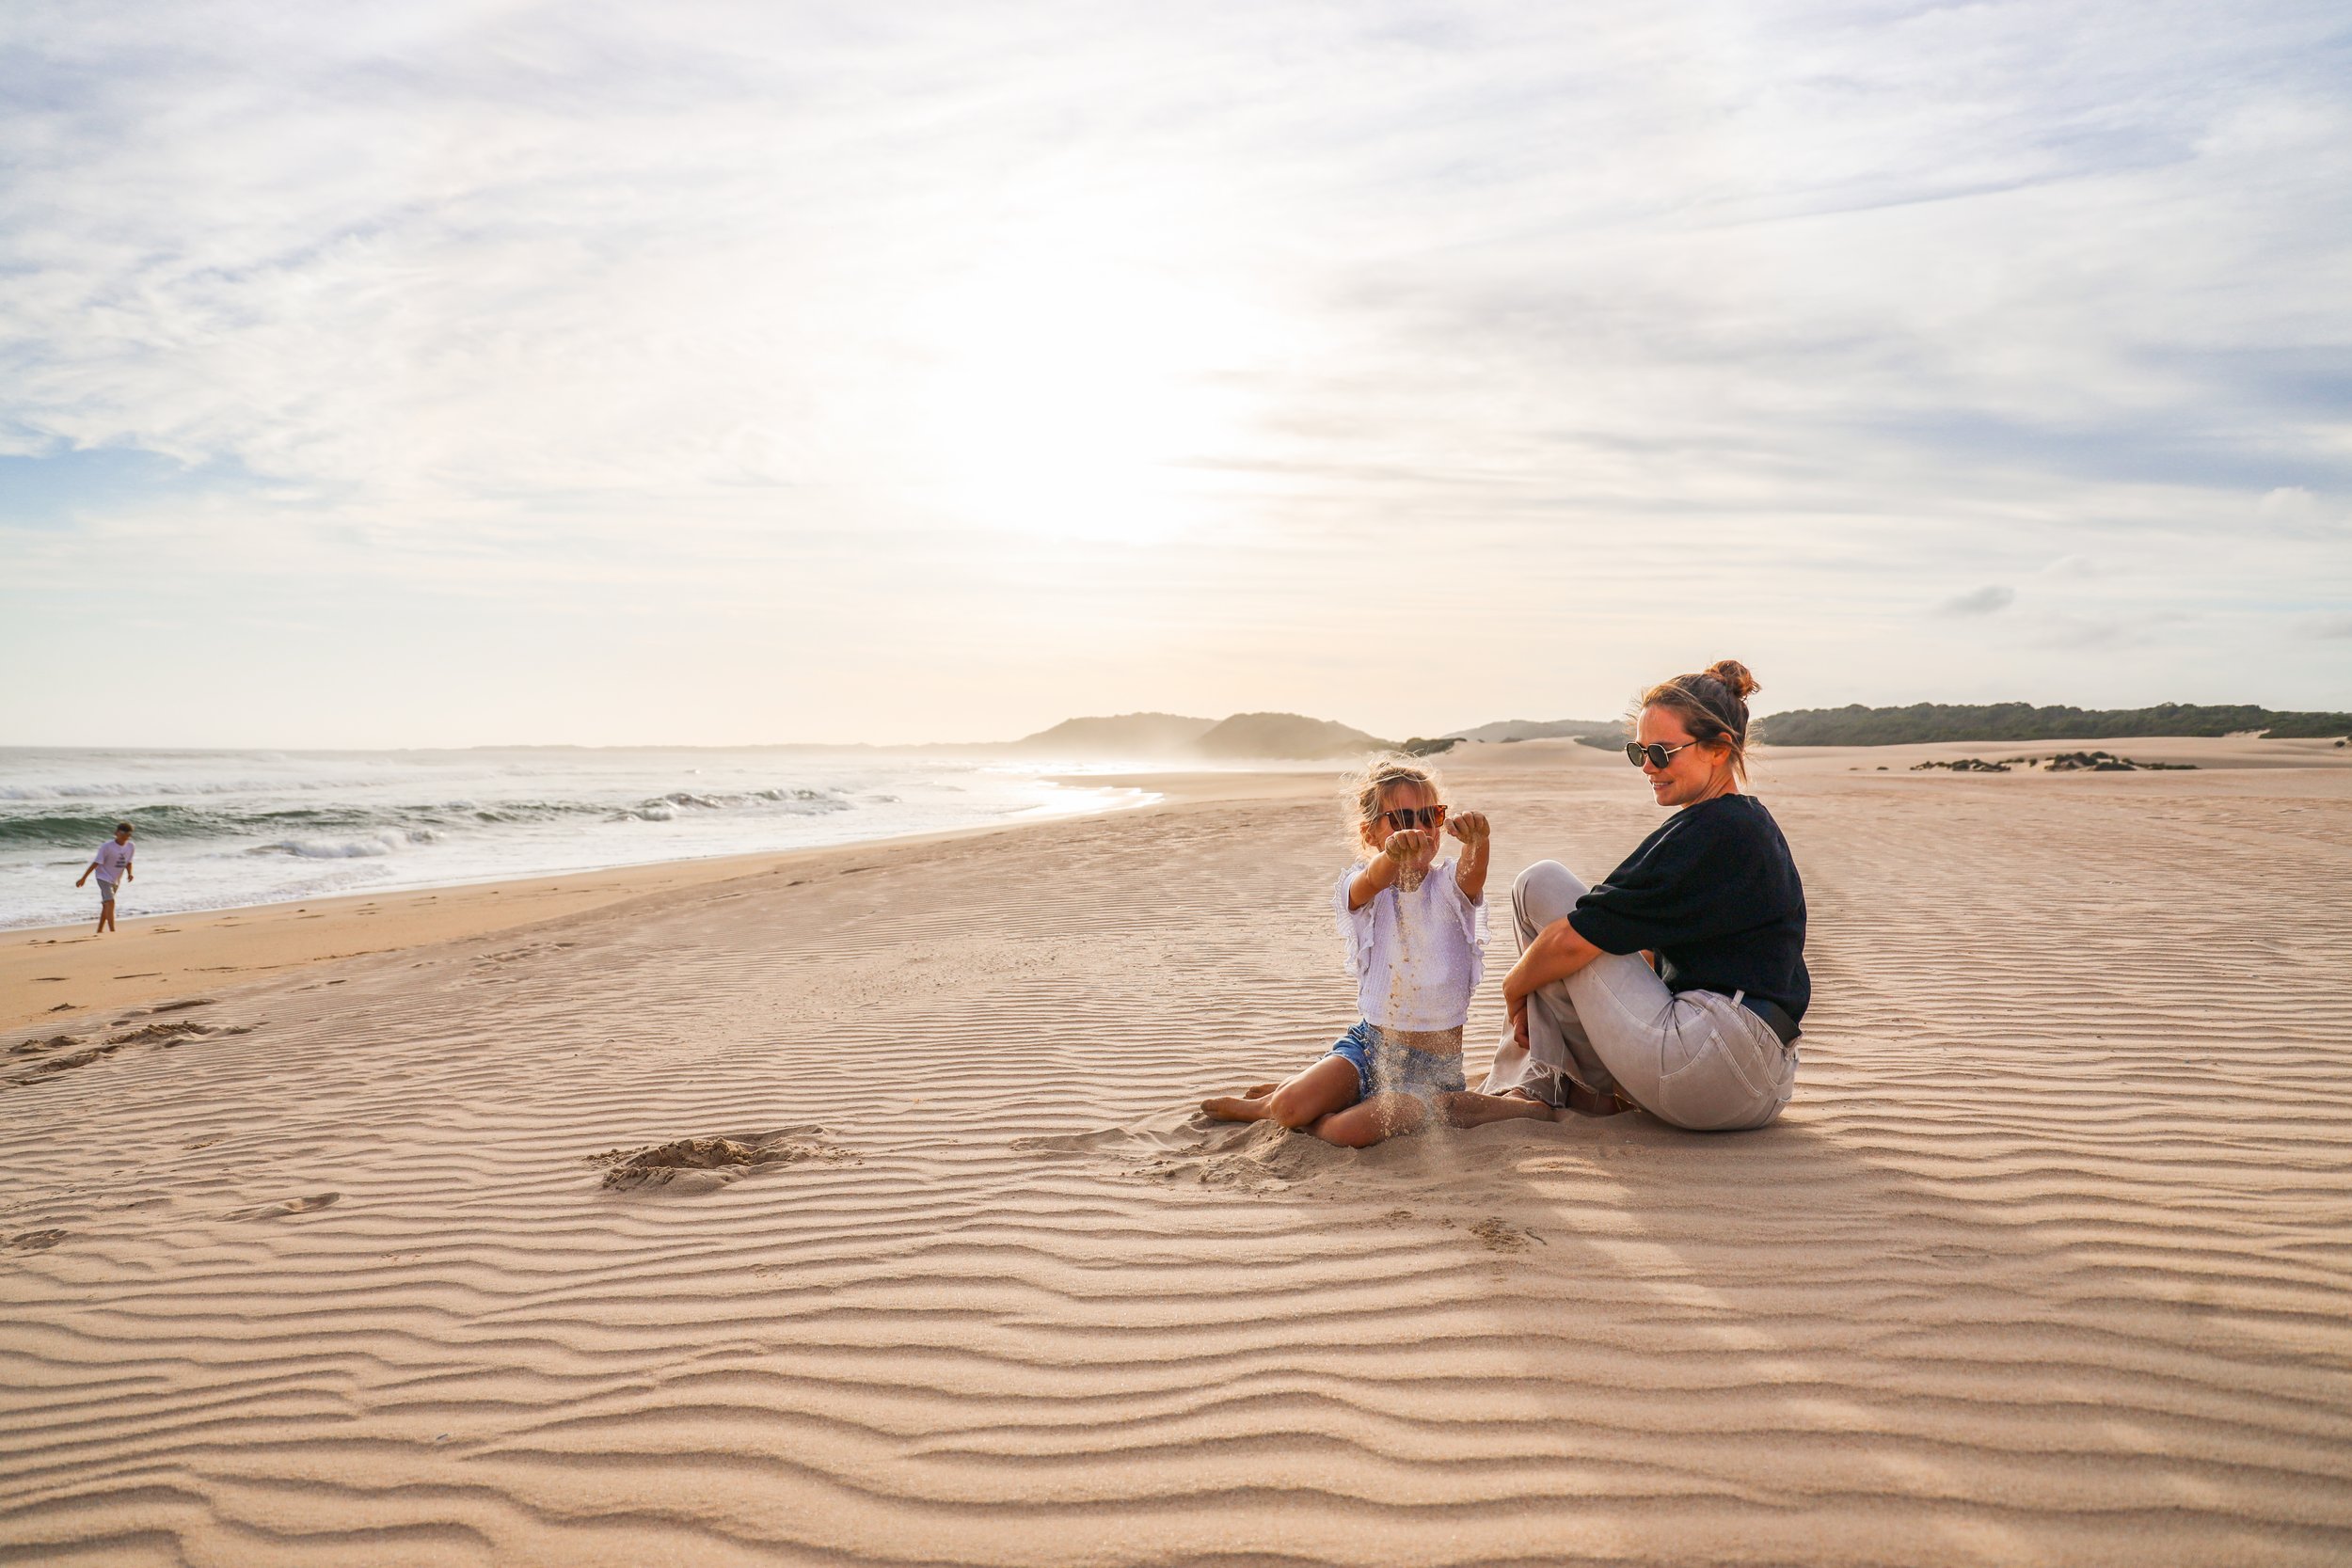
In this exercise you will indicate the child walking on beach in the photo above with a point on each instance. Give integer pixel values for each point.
(1416, 933)
(113, 865)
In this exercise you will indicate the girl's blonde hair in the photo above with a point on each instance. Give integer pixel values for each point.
(1368, 791)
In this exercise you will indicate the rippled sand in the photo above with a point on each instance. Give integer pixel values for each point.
(2051, 1260)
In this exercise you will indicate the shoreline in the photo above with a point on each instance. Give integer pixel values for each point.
(69, 971)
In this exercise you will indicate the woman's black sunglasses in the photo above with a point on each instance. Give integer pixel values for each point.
(1658, 752)
(1414, 816)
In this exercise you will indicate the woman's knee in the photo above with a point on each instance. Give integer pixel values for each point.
(1543, 893)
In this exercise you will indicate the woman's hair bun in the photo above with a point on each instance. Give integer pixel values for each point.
(1734, 674)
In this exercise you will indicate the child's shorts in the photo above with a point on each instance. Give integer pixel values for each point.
(105, 893)
(1386, 1065)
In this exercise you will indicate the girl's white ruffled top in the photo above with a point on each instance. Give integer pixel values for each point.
(1415, 957)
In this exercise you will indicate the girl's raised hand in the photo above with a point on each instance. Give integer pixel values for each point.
(1407, 845)
(1470, 827)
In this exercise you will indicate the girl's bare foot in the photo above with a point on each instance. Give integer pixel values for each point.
(1468, 1108)
(1249, 1105)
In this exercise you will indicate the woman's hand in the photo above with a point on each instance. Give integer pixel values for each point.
(1557, 953)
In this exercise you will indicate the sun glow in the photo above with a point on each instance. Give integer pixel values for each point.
(1071, 394)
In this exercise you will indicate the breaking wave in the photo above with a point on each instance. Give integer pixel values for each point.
(221, 829)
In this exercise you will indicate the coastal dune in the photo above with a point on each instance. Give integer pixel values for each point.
(850, 1207)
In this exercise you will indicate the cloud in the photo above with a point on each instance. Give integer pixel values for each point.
(2329, 627)
(1989, 601)
(2296, 512)
(2101, 630)
(1181, 312)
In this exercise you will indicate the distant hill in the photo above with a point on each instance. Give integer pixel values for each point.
(1287, 736)
(1277, 737)
(1608, 731)
(1857, 725)
(1124, 735)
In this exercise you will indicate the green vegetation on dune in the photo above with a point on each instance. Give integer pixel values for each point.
(1606, 732)
(1856, 726)
(1297, 737)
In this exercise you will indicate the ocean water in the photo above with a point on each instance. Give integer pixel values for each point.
(219, 830)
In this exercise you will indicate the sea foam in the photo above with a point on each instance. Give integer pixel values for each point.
(221, 829)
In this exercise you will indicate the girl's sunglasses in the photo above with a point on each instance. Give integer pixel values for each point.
(1414, 816)
(1657, 751)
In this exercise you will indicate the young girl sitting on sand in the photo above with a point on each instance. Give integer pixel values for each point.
(1416, 933)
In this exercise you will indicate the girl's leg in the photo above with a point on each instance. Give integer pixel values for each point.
(1365, 1123)
(1300, 1100)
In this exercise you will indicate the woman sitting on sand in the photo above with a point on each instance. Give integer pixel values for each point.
(1707, 1039)
(1416, 933)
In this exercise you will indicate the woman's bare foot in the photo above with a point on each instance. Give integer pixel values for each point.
(1591, 1102)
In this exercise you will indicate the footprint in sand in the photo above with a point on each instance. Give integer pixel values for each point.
(34, 1048)
(287, 1206)
(1501, 1236)
(147, 1033)
(61, 1064)
(32, 1241)
(703, 1164)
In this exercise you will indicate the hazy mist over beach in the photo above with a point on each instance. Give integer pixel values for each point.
(461, 374)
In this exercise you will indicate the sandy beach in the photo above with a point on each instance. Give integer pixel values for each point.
(321, 1242)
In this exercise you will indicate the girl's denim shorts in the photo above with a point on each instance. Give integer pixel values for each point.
(1385, 1065)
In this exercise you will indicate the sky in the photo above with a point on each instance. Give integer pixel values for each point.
(470, 373)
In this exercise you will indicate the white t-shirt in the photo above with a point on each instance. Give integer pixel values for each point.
(1416, 957)
(112, 860)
